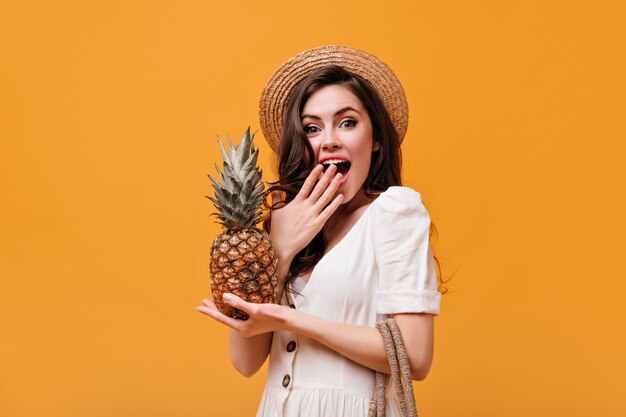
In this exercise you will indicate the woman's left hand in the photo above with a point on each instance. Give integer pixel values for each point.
(262, 318)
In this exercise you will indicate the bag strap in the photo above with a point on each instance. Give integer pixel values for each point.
(400, 373)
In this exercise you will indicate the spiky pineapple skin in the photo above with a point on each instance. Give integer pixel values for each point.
(243, 263)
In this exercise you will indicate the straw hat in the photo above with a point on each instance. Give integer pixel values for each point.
(277, 90)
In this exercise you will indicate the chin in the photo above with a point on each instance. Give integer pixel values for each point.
(347, 195)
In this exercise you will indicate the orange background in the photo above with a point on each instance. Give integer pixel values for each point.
(108, 117)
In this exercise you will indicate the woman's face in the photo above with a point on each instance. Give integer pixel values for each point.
(340, 132)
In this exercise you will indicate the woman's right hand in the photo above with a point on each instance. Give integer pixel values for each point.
(296, 224)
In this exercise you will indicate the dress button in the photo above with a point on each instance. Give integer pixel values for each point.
(292, 306)
(286, 380)
(291, 346)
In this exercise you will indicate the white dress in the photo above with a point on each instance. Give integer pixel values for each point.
(383, 265)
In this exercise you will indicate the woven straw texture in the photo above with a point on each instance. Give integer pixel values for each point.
(276, 92)
(400, 373)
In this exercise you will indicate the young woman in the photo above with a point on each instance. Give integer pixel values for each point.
(352, 243)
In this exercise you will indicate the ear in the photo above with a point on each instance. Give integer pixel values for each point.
(375, 146)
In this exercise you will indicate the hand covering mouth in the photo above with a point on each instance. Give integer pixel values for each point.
(343, 166)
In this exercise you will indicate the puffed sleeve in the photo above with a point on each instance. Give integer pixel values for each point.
(407, 276)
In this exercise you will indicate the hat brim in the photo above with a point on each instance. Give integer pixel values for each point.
(277, 90)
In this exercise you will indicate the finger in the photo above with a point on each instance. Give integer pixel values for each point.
(208, 305)
(321, 185)
(277, 197)
(236, 302)
(203, 310)
(329, 192)
(310, 181)
(330, 209)
(218, 316)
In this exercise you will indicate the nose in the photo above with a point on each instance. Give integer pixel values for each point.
(330, 141)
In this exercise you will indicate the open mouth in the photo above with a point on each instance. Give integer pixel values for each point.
(343, 166)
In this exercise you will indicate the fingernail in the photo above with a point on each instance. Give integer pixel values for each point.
(227, 297)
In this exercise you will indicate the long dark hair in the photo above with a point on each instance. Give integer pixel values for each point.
(295, 155)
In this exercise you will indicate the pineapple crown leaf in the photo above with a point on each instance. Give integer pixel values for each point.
(237, 155)
(239, 189)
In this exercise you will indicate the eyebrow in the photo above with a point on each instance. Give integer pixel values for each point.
(337, 113)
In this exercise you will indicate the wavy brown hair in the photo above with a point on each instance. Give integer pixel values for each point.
(295, 155)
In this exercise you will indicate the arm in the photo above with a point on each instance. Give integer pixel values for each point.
(364, 345)
(248, 354)
(361, 344)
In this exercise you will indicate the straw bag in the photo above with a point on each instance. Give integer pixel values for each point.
(400, 373)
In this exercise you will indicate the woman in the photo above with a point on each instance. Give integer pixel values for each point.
(352, 243)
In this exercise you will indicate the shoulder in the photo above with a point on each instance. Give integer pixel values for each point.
(400, 200)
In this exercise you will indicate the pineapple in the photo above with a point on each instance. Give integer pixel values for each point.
(242, 261)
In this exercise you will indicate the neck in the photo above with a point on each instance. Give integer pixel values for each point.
(346, 210)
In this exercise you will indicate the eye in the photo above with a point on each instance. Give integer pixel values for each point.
(348, 123)
(310, 129)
